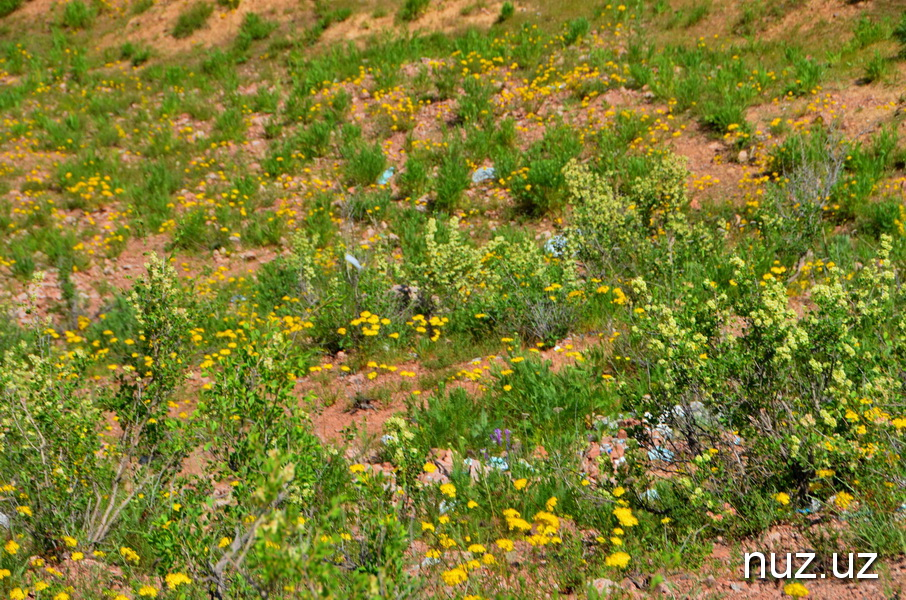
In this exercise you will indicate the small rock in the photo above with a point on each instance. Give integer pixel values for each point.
(710, 581)
(742, 157)
(604, 586)
(736, 587)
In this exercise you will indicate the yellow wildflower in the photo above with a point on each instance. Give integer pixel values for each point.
(625, 517)
(175, 580)
(795, 590)
(618, 560)
(454, 576)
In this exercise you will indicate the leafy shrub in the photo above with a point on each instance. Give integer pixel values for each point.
(819, 422)
(191, 19)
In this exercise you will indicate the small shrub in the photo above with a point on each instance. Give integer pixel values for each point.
(876, 68)
(135, 54)
(365, 164)
(254, 28)
(325, 18)
(192, 19)
(452, 180)
(899, 32)
(412, 10)
(807, 73)
(413, 181)
(867, 32)
(575, 30)
(141, 6)
(506, 12)
(9, 6)
(78, 15)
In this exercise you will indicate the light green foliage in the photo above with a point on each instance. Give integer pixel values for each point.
(47, 434)
(605, 223)
(805, 393)
(451, 265)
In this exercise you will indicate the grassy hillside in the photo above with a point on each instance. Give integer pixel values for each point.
(450, 299)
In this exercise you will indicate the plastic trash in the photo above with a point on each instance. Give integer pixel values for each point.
(353, 261)
(484, 174)
(651, 495)
(499, 463)
(556, 245)
(814, 506)
(384, 179)
(660, 453)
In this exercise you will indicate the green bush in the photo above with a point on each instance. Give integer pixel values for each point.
(819, 425)
(191, 19)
